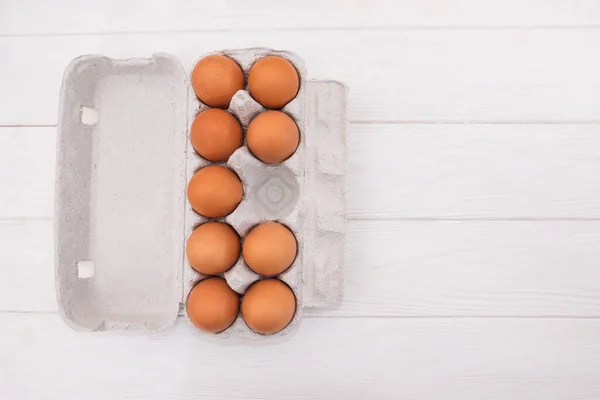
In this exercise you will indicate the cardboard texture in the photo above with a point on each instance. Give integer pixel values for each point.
(122, 219)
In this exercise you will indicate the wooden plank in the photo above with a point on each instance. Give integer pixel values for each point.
(27, 158)
(470, 268)
(326, 359)
(27, 266)
(397, 171)
(457, 75)
(402, 268)
(474, 171)
(38, 17)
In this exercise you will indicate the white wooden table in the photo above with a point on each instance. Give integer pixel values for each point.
(474, 202)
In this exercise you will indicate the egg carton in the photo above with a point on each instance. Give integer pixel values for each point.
(122, 219)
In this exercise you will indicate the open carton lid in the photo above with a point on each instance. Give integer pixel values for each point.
(120, 192)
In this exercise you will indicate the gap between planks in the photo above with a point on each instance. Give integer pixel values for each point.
(307, 313)
(305, 29)
(37, 17)
(405, 122)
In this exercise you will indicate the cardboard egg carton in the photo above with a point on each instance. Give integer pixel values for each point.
(122, 218)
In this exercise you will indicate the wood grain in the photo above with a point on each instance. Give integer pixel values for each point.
(398, 269)
(325, 359)
(457, 75)
(37, 17)
(397, 171)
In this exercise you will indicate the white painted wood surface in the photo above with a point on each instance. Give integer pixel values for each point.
(474, 240)
(421, 359)
(34, 17)
(415, 75)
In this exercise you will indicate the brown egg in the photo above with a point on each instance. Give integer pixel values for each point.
(273, 81)
(270, 248)
(272, 136)
(216, 134)
(212, 305)
(268, 306)
(213, 248)
(215, 79)
(214, 191)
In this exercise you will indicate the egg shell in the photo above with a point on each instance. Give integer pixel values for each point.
(273, 81)
(269, 248)
(212, 305)
(272, 136)
(216, 78)
(268, 306)
(214, 191)
(213, 248)
(216, 134)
